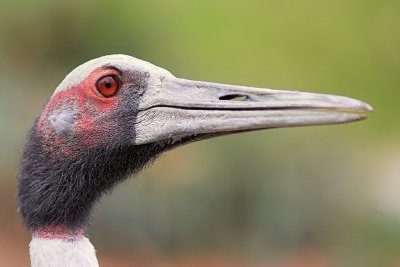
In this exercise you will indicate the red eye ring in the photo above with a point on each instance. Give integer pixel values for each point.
(108, 86)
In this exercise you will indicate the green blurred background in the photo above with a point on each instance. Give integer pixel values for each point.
(316, 196)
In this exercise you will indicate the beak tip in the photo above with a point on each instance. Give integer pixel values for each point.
(366, 107)
(363, 107)
(369, 108)
(363, 117)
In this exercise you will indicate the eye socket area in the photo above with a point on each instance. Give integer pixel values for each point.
(108, 86)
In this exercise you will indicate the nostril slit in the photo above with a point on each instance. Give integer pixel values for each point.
(234, 97)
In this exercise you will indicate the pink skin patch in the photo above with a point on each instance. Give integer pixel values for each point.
(59, 232)
(88, 104)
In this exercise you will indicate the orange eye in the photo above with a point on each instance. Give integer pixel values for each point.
(108, 86)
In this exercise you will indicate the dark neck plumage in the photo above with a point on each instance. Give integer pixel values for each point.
(62, 191)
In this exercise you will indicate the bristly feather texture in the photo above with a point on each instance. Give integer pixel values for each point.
(63, 191)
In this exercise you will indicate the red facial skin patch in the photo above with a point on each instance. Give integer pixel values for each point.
(59, 232)
(90, 108)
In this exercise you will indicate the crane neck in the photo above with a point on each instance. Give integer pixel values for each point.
(54, 190)
(58, 246)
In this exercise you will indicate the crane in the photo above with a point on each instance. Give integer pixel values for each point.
(112, 116)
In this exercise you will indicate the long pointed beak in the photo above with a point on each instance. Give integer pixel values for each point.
(182, 110)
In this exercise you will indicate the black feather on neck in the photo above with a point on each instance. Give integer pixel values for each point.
(54, 191)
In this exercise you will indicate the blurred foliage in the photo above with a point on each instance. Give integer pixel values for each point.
(259, 195)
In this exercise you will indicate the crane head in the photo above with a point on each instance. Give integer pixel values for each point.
(113, 115)
(121, 99)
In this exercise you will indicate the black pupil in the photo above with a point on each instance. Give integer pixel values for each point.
(108, 85)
